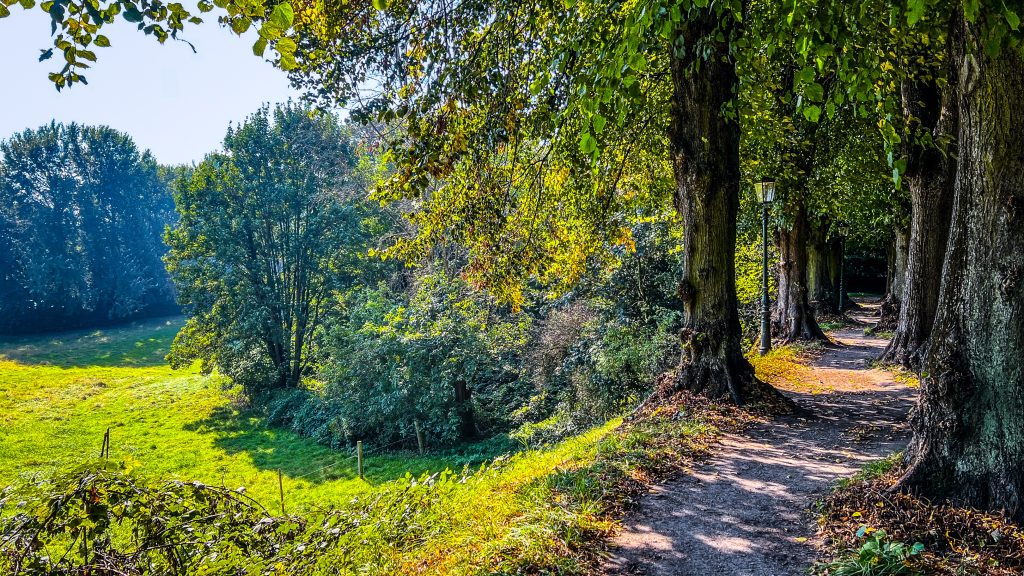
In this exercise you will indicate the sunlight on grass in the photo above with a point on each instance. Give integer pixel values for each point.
(59, 394)
(786, 367)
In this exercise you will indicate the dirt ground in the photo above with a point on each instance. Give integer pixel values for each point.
(746, 511)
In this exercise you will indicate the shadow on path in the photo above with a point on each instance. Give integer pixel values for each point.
(745, 512)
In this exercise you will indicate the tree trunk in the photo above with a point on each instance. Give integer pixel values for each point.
(822, 276)
(464, 409)
(794, 317)
(929, 177)
(968, 444)
(896, 279)
(704, 147)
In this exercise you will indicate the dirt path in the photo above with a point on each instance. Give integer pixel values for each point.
(745, 512)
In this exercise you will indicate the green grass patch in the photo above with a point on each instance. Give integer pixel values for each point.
(60, 393)
(871, 471)
(540, 511)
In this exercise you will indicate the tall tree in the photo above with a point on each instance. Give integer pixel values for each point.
(929, 177)
(82, 225)
(269, 228)
(968, 442)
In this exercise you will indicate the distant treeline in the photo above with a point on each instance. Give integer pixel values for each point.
(82, 215)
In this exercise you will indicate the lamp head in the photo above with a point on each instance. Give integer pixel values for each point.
(765, 191)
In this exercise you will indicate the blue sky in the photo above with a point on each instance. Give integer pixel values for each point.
(171, 101)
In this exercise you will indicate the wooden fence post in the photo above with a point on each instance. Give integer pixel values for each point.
(105, 447)
(280, 487)
(359, 457)
(419, 435)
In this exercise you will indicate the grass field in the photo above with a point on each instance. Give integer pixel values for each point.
(542, 510)
(60, 393)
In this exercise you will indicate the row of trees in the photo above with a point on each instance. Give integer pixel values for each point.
(82, 214)
(529, 131)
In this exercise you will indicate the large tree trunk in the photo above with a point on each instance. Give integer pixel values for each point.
(822, 273)
(968, 444)
(704, 147)
(794, 318)
(929, 177)
(895, 281)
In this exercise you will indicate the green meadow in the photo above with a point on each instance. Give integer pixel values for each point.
(59, 394)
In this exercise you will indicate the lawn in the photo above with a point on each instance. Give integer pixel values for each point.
(60, 393)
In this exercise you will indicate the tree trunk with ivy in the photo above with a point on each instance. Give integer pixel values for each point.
(968, 443)
(704, 146)
(929, 178)
(794, 318)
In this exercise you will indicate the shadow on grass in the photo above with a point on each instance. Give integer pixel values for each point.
(270, 449)
(143, 343)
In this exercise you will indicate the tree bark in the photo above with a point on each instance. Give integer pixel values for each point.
(704, 147)
(929, 177)
(822, 274)
(464, 409)
(896, 279)
(968, 443)
(794, 318)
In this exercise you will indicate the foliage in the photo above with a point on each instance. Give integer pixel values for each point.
(82, 212)
(93, 519)
(269, 230)
(877, 556)
(446, 359)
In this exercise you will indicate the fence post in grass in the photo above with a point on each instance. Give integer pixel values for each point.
(280, 487)
(359, 458)
(105, 447)
(419, 435)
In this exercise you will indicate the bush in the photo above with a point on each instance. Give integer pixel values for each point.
(446, 360)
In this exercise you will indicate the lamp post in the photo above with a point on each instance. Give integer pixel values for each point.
(766, 195)
(844, 229)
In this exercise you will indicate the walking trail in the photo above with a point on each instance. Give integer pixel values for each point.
(746, 511)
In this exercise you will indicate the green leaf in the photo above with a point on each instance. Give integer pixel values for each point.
(599, 123)
(240, 25)
(812, 113)
(102, 41)
(4, 12)
(815, 92)
(27, 4)
(806, 75)
(915, 9)
(380, 4)
(259, 47)
(587, 143)
(283, 16)
(132, 14)
(971, 8)
(286, 46)
(537, 85)
(1012, 19)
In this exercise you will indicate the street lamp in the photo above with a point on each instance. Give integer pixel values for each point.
(844, 230)
(766, 195)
